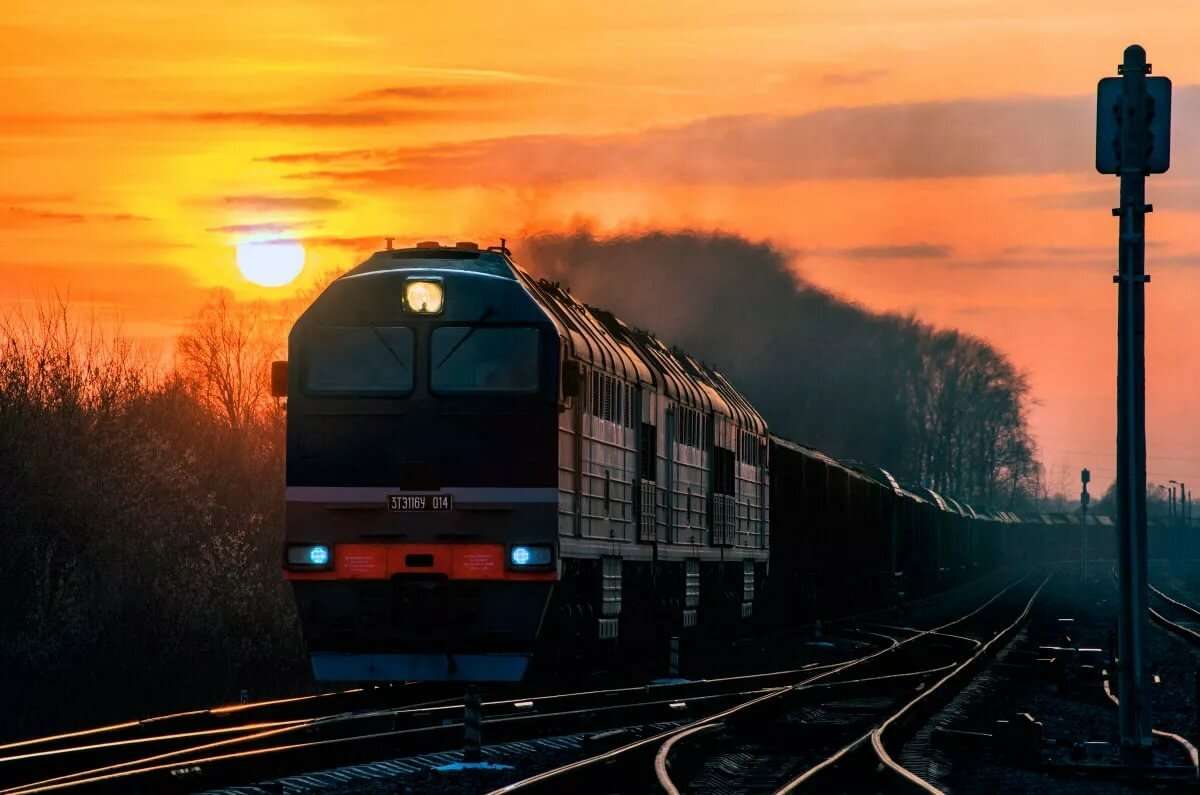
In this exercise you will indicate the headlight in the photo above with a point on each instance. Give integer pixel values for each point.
(530, 556)
(423, 296)
(309, 556)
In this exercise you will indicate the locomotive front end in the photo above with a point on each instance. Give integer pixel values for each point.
(421, 469)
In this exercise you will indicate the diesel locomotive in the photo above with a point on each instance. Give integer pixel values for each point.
(484, 472)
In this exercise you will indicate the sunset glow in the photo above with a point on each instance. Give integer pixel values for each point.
(924, 157)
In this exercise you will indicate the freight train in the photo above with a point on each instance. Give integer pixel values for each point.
(484, 473)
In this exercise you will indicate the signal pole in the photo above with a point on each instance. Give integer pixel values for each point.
(1084, 499)
(1132, 140)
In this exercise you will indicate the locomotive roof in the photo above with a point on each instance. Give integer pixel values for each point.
(489, 263)
(599, 338)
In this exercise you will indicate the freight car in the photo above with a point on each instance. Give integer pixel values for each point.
(483, 473)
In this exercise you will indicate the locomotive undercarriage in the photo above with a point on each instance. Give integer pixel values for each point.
(691, 601)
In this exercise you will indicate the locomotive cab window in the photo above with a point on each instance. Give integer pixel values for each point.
(360, 360)
(484, 359)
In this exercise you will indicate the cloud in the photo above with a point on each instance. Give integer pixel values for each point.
(899, 251)
(267, 227)
(821, 370)
(304, 118)
(352, 243)
(320, 117)
(924, 140)
(430, 93)
(1055, 251)
(1179, 260)
(35, 198)
(854, 78)
(146, 291)
(325, 157)
(17, 217)
(265, 203)
(1165, 193)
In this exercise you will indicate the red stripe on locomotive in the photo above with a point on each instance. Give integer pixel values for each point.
(455, 561)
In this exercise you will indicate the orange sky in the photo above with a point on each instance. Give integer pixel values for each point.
(931, 156)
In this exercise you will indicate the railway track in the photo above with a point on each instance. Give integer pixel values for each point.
(909, 658)
(187, 756)
(1176, 616)
(111, 746)
(890, 702)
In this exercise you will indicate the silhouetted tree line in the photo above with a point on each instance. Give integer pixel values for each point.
(932, 406)
(141, 523)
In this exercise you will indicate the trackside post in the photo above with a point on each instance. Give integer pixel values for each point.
(1133, 123)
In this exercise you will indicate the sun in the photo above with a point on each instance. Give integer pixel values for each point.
(270, 263)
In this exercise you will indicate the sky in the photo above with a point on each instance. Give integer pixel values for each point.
(925, 156)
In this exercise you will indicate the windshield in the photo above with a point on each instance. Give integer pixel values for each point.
(484, 359)
(360, 359)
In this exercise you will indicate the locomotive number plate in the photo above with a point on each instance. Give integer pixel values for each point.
(421, 502)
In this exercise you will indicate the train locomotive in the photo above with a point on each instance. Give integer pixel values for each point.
(485, 474)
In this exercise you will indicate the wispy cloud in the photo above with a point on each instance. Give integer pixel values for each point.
(374, 117)
(854, 77)
(267, 227)
(1168, 193)
(15, 217)
(924, 140)
(1179, 260)
(1055, 251)
(267, 203)
(351, 243)
(35, 198)
(334, 115)
(432, 93)
(332, 156)
(138, 291)
(886, 252)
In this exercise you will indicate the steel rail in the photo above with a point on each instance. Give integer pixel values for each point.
(159, 763)
(877, 742)
(564, 770)
(1190, 749)
(437, 706)
(874, 734)
(140, 722)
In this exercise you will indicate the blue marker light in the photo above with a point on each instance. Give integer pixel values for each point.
(531, 555)
(318, 555)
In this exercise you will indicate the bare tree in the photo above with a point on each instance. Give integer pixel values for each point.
(225, 356)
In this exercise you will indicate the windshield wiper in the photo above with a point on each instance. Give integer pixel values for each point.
(486, 314)
(390, 349)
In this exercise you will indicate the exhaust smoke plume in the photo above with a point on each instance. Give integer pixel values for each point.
(930, 405)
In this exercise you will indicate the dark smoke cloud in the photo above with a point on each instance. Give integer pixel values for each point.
(821, 370)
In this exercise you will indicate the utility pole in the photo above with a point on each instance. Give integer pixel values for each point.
(1181, 535)
(1084, 499)
(1133, 129)
(1174, 508)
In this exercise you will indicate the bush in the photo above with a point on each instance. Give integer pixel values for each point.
(143, 536)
